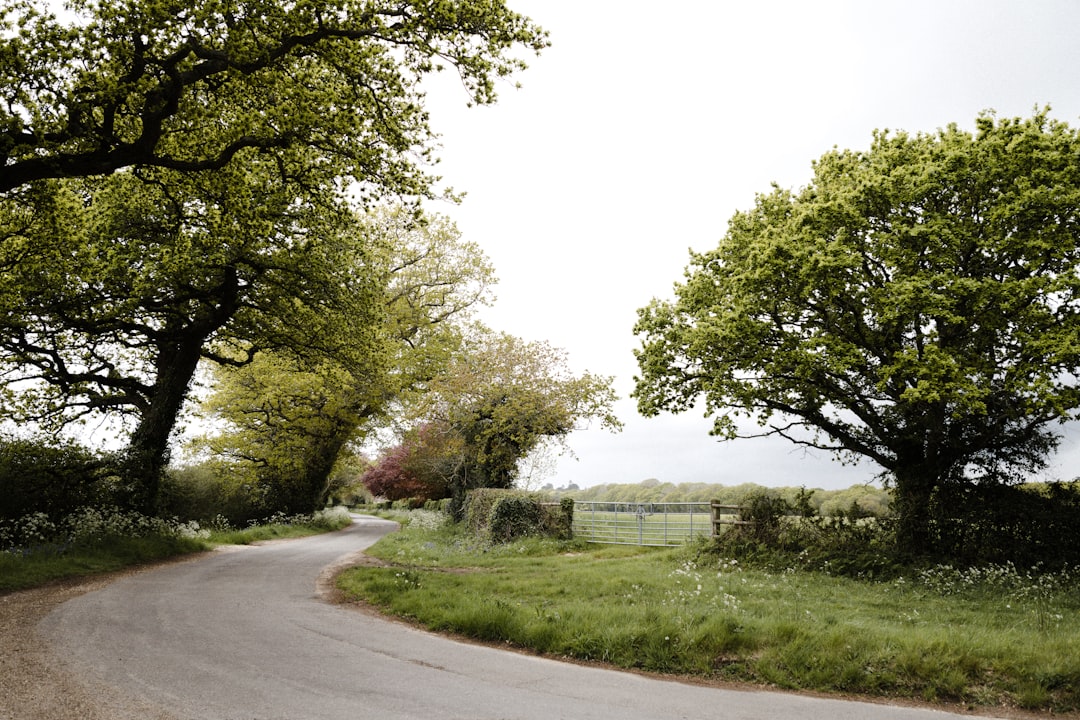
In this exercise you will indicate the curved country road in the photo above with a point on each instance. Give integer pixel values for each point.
(244, 635)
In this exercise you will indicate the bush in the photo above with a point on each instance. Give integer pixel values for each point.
(476, 513)
(558, 520)
(53, 478)
(1022, 525)
(208, 490)
(331, 518)
(847, 544)
(501, 515)
(764, 515)
(88, 527)
(514, 516)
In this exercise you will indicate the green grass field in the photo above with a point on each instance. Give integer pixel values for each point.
(979, 639)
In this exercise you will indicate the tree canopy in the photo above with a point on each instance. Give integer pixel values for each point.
(120, 285)
(179, 184)
(284, 418)
(191, 87)
(916, 304)
(499, 399)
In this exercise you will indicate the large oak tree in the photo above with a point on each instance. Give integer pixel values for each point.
(121, 285)
(916, 304)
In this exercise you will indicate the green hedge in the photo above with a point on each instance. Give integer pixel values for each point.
(53, 477)
(501, 515)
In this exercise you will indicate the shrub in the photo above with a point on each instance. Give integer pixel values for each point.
(1023, 525)
(476, 512)
(89, 527)
(764, 516)
(331, 518)
(514, 516)
(442, 506)
(558, 520)
(54, 478)
(845, 544)
(501, 514)
(208, 490)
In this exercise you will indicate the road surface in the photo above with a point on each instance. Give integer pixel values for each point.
(245, 635)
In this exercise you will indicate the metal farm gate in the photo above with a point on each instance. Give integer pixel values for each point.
(659, 524)
(647, 523)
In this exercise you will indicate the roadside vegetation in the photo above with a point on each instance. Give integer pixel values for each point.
(987, 636)
(34, 550)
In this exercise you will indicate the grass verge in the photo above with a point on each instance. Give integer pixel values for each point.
(983, 640)
(49, 563)
(95, 553)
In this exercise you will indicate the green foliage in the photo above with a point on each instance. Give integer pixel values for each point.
(35, 550)
(1025, 526)
(763, 514)
(290, 415)
(286, 425)
(514, 516)
(249, 135)
(206, 491)
(501, 515)
(499, 399)
(51, 477)
(87, 527)
(560, 522)
(280, 525)
(345, 486)
(18, 572)
(915, 304)
(477, 508)
(336, 83)
(126, 283)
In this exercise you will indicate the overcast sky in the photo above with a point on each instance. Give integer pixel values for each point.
(645, 126)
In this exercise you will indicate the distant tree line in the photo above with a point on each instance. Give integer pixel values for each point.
(865, 500)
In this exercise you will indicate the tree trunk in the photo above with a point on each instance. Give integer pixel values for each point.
(913, 499)
(179, 350)
(148, 448)
(312, 484)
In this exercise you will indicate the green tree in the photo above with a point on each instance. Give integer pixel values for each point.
(917, 304)
(193, 87)
(205, 104)
(288, 417)
(119, 286)
(288, 421)
(502, 398)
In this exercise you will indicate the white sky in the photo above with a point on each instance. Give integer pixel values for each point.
(644, 127)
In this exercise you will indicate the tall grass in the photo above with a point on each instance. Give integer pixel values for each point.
(984, 638)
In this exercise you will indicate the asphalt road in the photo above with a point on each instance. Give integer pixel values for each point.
(245, 635)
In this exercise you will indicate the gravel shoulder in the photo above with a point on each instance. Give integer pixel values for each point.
(34, 683)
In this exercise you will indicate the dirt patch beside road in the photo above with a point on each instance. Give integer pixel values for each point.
(35, 684)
